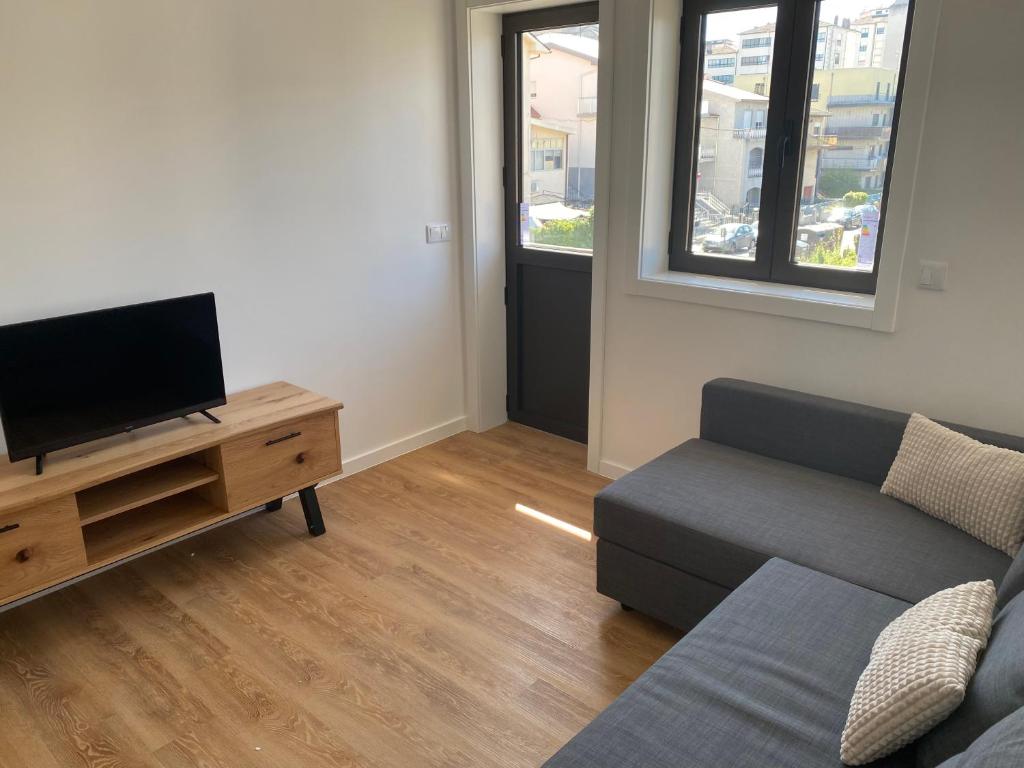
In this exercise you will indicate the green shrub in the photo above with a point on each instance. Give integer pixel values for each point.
(831, 255)
(576, 233)
(853, 199)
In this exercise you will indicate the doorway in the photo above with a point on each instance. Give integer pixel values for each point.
(550, 71)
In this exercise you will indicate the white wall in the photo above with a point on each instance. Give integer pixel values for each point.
(285, 154)
(956, 355)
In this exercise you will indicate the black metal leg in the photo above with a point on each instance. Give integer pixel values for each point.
(626, 608)
(275, 505)
(311, 509)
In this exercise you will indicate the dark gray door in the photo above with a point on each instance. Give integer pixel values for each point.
(550, 78)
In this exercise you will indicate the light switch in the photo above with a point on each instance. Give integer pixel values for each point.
(439, 233)
(933, 275)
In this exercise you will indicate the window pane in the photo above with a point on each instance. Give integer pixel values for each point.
(560, 142)
(853, 99)
(734, 97)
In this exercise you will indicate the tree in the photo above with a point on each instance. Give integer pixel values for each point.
(837, 182)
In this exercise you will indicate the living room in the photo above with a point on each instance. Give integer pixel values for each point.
(545, 340)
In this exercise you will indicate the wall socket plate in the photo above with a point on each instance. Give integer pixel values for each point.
(439, 233)
(933, 275)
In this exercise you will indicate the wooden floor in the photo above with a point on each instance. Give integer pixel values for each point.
(434, 625)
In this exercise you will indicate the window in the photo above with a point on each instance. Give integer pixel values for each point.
(546, 155)
(863, 48)
(880, 29)
(865, 33)
(724, 79)
(790, 152)
(757, 42)
(719, 63)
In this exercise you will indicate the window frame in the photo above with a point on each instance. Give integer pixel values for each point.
(787, 131)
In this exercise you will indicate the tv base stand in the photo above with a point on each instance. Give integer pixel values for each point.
(210, 416)
(40, 461)
(122, 496)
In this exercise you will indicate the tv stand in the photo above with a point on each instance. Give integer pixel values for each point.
(115, 499)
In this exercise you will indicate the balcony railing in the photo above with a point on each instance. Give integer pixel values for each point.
(749, 133)
(854, 100)
(587, 105)
(706, 155)
(860, 131)
(755, 173)
(851, 163)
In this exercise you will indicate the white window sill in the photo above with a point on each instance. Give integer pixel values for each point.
(837, 307)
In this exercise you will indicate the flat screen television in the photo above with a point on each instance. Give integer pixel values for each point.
(68, 380)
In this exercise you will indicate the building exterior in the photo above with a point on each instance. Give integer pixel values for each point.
(755, 52)
(563, 102)
(720, 61)
(872, 28)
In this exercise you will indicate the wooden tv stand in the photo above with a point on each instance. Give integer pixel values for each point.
(112, 499)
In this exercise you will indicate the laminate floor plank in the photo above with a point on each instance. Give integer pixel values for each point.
(434, 625)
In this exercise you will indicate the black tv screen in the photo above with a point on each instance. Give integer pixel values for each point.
(68, 380)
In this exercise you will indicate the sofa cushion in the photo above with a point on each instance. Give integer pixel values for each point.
(996, 691)
(764, 680)
(1000, 746)
(976, 487)
(1013, 582)
(919, 670)
(848, 439)
(720, 513)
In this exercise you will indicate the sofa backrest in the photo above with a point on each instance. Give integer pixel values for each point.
(836, 436)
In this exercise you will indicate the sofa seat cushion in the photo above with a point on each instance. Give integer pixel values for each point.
(764, 680)
(720, 513)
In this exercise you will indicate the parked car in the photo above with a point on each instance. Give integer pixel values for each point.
(848, 218)
(731, 238)
(808, 215)
(813, 235)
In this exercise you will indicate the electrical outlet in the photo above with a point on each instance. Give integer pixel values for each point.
(439, 233)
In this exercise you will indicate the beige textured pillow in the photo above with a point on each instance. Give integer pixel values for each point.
(976, 487)
(919, 670)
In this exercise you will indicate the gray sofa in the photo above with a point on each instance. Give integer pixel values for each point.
(769, 540)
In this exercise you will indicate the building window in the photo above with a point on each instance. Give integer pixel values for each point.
(865, 33)
(880, 29)
(724, 79)
(781, 144)
(546, 155)
(719, 63)
(757, 42)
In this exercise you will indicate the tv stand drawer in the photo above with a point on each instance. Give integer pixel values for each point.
(39, 545)
(272, 463)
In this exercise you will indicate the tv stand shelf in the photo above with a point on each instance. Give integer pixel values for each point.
(103, 502)
(142, 488)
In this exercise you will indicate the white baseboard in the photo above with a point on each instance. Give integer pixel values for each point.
(354, 464)
(611, 470)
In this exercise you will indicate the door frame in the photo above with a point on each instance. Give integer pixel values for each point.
(482, 211)
(514, 25)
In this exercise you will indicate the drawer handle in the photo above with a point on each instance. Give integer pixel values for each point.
(292, 436)
(23, 556)
(13, 527)
(300, 459)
